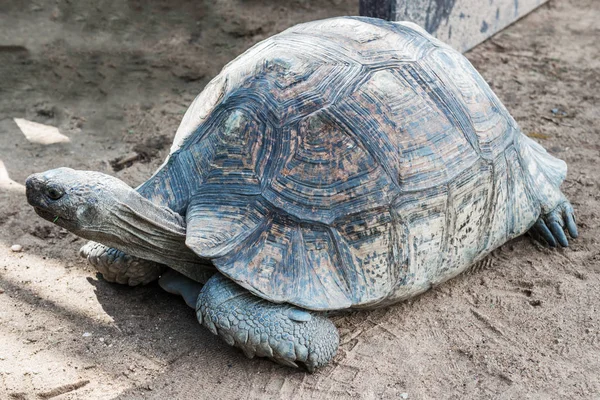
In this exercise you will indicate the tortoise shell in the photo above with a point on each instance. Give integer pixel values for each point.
(349, 162)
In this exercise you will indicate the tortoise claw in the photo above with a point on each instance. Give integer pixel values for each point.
(551, 226)
(544, 232)
(558, 233)
(569, 218)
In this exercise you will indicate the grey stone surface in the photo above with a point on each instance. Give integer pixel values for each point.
(461, 23)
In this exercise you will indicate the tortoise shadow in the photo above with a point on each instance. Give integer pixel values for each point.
(148, 314)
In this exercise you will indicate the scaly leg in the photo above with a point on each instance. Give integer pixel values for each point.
(550, 226)
(284, 333)
(116, 266)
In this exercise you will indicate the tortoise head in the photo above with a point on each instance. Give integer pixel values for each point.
(80, 201)
(104, 209)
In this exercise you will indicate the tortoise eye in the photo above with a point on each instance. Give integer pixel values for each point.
(54, 193)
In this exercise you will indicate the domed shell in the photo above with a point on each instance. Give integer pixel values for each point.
(321, 164)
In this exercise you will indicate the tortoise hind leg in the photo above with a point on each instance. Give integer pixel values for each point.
(550, 226)
(284, 333)
(545, 174)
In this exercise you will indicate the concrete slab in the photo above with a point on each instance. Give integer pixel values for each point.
(461, 23)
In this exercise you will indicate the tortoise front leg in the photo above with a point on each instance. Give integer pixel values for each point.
(284, 333)
(116, 266)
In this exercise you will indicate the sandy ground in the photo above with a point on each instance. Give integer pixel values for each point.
(116, 77)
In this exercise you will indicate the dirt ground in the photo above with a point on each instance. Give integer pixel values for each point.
(116, 77)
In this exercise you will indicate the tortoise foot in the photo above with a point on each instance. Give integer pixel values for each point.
(175, 283)
(550, 227)
(284, 333)
(116, 266)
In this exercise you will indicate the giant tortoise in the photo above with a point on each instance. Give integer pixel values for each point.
(348, 163)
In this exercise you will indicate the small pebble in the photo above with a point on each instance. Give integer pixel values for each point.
(404, 396)
(16, 248)
(86, 334)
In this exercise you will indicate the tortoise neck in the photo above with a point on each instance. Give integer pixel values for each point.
(141, 228)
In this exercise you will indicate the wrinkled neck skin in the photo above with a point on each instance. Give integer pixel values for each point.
(136, 226)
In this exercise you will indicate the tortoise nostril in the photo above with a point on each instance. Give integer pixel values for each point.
(31, 181)
(31, 188)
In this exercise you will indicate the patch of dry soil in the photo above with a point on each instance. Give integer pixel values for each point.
(116, 78)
